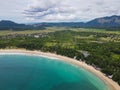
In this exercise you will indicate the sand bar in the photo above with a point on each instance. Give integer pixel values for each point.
(111, 84)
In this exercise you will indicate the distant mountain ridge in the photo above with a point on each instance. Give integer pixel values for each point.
(112, 21)
(104, 22)
(10, 25)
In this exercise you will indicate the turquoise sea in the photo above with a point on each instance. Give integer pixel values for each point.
(24, 72)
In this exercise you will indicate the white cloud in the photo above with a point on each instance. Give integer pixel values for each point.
(12, 9)
(71, 10)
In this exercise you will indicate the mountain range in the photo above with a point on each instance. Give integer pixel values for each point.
(10, 25)
(111, 22)
(107, 22)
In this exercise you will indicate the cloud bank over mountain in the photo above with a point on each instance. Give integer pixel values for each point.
(71, 10)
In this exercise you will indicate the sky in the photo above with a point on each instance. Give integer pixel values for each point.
(26, 11)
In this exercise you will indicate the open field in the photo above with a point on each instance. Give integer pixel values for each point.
(53, 29)
(10, 32)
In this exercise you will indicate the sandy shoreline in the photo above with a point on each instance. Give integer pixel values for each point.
(113, 85)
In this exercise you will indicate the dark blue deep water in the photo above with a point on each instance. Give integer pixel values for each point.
(23, 72)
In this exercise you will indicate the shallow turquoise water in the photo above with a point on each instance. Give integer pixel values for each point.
(23, 72)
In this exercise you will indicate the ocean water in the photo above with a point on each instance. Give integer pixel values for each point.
(24, 72)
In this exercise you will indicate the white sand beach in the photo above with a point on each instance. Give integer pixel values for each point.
(113, 85)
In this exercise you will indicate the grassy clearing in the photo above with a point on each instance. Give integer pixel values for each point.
(95, 30)
(53, 29)
(47, 30)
